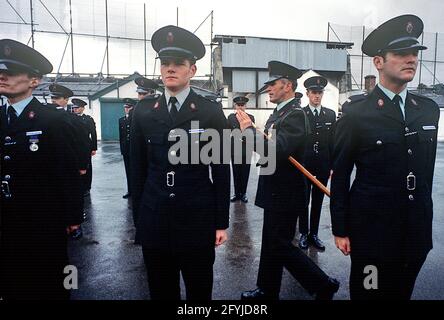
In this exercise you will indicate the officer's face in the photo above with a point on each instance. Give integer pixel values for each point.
(239, 106)
(397, 67)
(16, 85)
(177, 73)
(60, 101)
(141, 95)
(315, 97)
(128, 109)
(278, 90)
(78, 110)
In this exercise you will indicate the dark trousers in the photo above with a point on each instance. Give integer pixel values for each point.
(164, 267)
(278, 252)
(395, 278)
(317, 197)
(87, 178)
(126, 161)
(241, 172)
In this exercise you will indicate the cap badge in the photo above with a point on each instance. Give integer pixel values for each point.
(318, 81)
(170, 38)
(380, 103)
(409, 27)
(7, 51)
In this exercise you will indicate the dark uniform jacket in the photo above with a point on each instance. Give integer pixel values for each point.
(40, 185)
(233, 123)
(124, 134)
(80, 140)
(389, 206)
(178, 206)
(319, 142)
(278, 190)
(90, 127)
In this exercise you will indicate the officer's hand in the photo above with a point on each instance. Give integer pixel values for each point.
(71, 229)
(221, 237)
(343, 244)
(244, 120)
(93, 153)
(82, 172)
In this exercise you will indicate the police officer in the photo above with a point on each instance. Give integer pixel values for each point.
(39, 182)
(78, 107)
(282, 194)
(181, 213)
(384, 221)
(124, 138)
(145, 87)
(60, 98)
(241, 171)
(317, 159)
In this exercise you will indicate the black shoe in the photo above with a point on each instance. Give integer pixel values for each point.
(126, 196)
(257, 294)
(329, 291)
(244, 198)
(234, 198)
(77, 234)
(86, 193)
(316, 242)
(303, 242)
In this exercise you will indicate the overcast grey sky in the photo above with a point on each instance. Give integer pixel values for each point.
(293, 19)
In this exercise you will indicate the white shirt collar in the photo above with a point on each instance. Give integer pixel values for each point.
(391, 94)
(312, 108)
(21, 105)
(181, 96)
(283, 104)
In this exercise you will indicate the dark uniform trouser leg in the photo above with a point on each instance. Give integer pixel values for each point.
(396, 279)
(126, 161)
(317, 197)
(237, 178)
(87, 178)
(278, 252)
(163, 270)
(163, 274)
(197, 273)
(245, 173)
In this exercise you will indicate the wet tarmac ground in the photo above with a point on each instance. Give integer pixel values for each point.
(110, 266)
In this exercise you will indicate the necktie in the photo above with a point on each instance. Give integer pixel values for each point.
(12, 115)
(396, 101)
(316, 114)
(173, 108)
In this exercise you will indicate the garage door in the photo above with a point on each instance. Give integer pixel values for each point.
(111, 111)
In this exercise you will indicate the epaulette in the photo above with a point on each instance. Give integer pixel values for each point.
(152, 97)
(211, 99)
(356, 98)
(421, 96)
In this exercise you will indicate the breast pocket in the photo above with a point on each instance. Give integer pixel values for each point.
(379, 149)
(426, 144)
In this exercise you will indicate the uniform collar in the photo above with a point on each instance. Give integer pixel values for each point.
(283, 104)
(391, 94)
(312, 108)
(21, 105)
(181, 96)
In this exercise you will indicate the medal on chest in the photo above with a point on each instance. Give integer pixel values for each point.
(33, 140)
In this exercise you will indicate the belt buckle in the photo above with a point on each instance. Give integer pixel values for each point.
(170, 178)
(411, 181)
(5, 189)
(316, 148)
